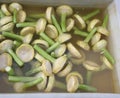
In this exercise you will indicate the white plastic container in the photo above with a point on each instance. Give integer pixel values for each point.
(113, 9)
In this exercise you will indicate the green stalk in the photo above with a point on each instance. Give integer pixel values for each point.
(55, 22)
(9, 70)
(46, 38)
(105, 21)
(29, 19)
(15, 57)
(22, 86)
(33, 71)
(16, 43)
(25, 24)
(53, 54)
(21, 78)
(1, 14)
(63, 22)
(107, 54)
(60, 85)
(43, 53)
(88, 76)
(87, 88)
(79, 32)
(13, 36)
(90, 35)
(39, 57)
(15, 16)
(32, 83)
(37, 16)
(53, 47)
(90, 15)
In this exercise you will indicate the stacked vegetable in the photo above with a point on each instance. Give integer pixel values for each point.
(44, 43)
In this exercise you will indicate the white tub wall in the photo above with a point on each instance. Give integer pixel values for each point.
(114, 40)
(60, 95)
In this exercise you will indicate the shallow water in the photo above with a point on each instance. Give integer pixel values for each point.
(103, 80)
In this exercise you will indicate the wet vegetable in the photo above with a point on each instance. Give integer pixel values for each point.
(25, 52)
(91, 67)
(84, 44)
(49, 47)
(99, 45)
(75, 82)
(6, 46)
(49, 12)
(20, 86)
(51, 31)
(80, 21)
(6, 23)
(92, 24)
(6, 63)
(95, 38)
(64, 11)
(4, 8)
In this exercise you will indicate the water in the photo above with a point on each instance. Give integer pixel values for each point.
(103, 80)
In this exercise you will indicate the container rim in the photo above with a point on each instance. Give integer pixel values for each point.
(61, 95)
(66, 95)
